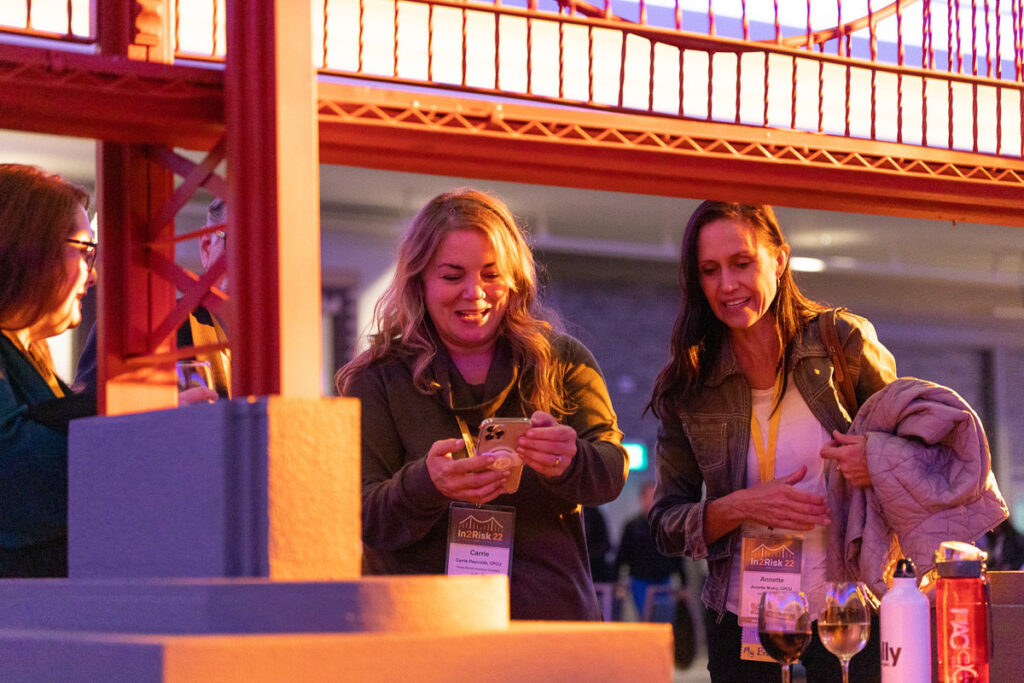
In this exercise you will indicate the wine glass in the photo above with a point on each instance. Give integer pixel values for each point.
(194, 373)
(845, 622)
(784, 627)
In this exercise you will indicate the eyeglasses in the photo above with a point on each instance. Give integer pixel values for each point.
(87, 249)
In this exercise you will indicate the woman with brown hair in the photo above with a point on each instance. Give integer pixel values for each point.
(47, 253)
(460, 336)
(750, 421)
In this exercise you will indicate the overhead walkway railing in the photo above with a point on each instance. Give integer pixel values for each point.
(937, 74)
(911, 108)
(942, 74)
(69, 21)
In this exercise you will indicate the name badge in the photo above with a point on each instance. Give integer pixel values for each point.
(479, 539)
(770, 563)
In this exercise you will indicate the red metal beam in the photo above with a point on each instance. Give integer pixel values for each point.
(99, 96)
(274, 199)
(132, 297)
(183, 106)
(417, 132)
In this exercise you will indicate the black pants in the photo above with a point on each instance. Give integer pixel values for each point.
(47, 559)
(725, 665)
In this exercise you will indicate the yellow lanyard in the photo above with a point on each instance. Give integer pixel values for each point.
(766, 453)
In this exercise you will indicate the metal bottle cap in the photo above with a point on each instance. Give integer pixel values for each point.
(955, 559)
(904, 569)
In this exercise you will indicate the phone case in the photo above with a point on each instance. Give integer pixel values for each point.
(498, 437)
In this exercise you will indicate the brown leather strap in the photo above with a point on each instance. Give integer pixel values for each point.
(830, 337)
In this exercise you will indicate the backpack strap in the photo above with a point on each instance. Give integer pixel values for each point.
(830, 337)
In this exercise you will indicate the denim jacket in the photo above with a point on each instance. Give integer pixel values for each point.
(702, 450)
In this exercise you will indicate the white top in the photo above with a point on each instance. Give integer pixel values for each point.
(800, 440)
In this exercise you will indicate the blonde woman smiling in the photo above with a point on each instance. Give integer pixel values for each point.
(460, 336)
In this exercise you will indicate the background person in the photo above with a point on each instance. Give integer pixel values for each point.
(200, 328)
(47, 252)
(599, 545)
(460, 334)
(1005, 547)
(746, 344)
(599, 548)
(645, 564)
(647, 567)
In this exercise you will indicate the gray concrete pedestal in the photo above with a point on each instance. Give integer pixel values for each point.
(221, 543)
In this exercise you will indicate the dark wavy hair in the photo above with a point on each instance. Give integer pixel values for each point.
(37, 212)
(698, 334)
(401, 320)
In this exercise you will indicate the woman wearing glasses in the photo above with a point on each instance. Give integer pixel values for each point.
(47, 253)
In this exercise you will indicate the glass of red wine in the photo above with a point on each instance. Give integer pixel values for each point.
(845, 623)
(784, 627)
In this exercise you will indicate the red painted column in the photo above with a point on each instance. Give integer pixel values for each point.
(274, 199)
(131, 191)
(132, 299)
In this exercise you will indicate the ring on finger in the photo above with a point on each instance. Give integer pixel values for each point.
(558, 460)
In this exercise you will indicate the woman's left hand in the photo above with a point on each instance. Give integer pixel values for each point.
(850, 454)
(547, 447)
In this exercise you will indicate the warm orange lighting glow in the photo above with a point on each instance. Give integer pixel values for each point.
(415, 41)
(51, 16)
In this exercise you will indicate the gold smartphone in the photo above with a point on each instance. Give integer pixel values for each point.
(498, 437)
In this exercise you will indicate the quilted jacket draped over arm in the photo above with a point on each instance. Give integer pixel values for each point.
(932, 481)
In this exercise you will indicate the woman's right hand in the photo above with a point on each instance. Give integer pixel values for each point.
(468, 479)
(778, 503)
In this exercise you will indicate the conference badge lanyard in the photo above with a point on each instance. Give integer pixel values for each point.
(770, 561)
(479, 536)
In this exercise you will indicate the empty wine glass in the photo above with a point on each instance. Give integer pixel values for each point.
(845, 622)
(784, 627)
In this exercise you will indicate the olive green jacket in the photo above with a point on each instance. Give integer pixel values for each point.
(405, 517)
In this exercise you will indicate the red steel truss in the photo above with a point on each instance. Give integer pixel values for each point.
(183, 106)
(143, 109)
(510, 141)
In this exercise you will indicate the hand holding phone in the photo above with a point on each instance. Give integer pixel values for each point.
(499, 437)
(550, 449)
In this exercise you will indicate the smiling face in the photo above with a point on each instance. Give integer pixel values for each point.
(465, 293)
(78, 277)
(738, 274)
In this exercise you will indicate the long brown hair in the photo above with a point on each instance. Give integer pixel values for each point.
(401, 322)
(37, 212)
(698, 334)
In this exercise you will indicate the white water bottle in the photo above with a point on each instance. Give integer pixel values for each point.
(905, 622)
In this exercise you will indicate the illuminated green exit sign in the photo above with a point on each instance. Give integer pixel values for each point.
(637, 455)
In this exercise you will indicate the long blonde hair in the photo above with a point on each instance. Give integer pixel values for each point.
(400, 318)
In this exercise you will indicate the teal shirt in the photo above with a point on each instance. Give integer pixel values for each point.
(33, 457)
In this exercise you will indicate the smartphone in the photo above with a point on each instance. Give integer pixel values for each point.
(498, 437)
